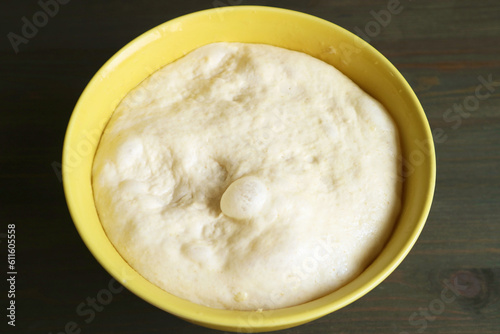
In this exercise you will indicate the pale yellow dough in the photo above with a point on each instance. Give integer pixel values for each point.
(309, 162)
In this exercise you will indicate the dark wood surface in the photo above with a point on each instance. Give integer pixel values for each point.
(443, 48)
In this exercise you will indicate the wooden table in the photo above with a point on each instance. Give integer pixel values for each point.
(446, 49)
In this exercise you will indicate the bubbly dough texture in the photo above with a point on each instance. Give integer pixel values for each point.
(246, 176)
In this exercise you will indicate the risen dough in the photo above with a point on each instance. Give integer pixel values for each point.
(306, 160)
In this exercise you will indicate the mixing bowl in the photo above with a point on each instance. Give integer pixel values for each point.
(251, 24)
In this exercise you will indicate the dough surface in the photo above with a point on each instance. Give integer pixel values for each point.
(302, 162)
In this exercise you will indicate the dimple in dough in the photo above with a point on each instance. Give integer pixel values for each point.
(246, 176)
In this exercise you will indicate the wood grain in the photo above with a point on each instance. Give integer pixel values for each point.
(442, 48)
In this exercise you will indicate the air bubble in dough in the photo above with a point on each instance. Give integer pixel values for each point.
(243, 198)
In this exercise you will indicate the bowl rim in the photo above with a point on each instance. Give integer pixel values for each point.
(270, 319)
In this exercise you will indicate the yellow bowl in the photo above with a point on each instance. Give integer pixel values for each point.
(252, 24)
